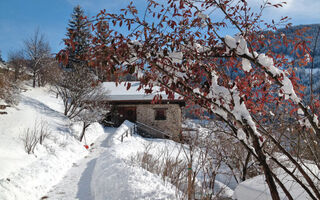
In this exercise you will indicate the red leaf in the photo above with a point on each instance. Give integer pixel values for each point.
(128, 86)
(261, 138)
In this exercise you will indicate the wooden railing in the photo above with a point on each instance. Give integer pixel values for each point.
(144, 130)
(131, 130)
(150, 131)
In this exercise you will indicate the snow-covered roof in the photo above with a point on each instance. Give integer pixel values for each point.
(120, 93)
(2, 65)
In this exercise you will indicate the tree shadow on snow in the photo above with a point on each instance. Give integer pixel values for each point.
(84, 185)
(41, 107)
(47, 111)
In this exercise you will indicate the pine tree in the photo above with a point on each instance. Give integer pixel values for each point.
(78, 34)
(1, 60)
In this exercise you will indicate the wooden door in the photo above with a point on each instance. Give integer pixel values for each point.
(127, 113)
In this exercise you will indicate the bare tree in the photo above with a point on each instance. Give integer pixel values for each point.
(49, 72)
(94, 112)
(77, 87)
(82, 96)
(17, 62)
(37, 50)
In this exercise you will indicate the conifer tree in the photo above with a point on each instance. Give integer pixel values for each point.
(78, 35)
(1, 60)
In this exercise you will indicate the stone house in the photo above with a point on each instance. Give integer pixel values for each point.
(156, 119)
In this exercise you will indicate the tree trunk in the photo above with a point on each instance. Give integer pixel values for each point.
(266, 169)
(16, 73)
(65, 110)
(190, 183)
(245, 167)
(84, 127)
(39, 80)
(34, 79)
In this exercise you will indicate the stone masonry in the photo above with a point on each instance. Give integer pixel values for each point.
(171, 125)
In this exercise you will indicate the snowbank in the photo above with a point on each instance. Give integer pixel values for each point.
(107, 173)
(114, 179)
(35, 179)
(24, 176)
(117, 175)
(257, 188)
(125, 126)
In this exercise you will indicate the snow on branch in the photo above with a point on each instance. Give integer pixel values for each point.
(231, 97)
(239, 45)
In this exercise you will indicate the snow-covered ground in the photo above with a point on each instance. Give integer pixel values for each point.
(61, 168)
(106, 173)
(257, 188)
(29, 176)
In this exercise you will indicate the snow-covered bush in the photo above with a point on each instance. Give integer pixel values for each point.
(30, 140)
(43, 131)
(32, 136)
(193, 169)
(170, 169)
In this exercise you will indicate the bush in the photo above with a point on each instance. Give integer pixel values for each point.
(170, 169)
(30, 140)
(32, 137)
(9, 90)
(43, 132)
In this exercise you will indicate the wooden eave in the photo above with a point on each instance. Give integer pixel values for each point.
(136, 102)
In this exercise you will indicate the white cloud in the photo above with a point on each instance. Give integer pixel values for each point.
(300, 11)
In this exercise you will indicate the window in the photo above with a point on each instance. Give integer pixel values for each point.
(160, 113)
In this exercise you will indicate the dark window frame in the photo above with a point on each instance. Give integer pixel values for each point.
(160, 114)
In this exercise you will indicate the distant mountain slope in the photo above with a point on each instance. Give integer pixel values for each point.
(310, 32)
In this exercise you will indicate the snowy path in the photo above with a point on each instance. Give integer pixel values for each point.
(106, 173)
(76, 184)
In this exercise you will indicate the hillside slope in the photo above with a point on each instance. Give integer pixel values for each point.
(61, 168)
(311, 31)
(29, 176)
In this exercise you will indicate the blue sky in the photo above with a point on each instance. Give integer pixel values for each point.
(19, 18)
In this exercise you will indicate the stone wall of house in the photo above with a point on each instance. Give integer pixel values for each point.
(171, 125)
